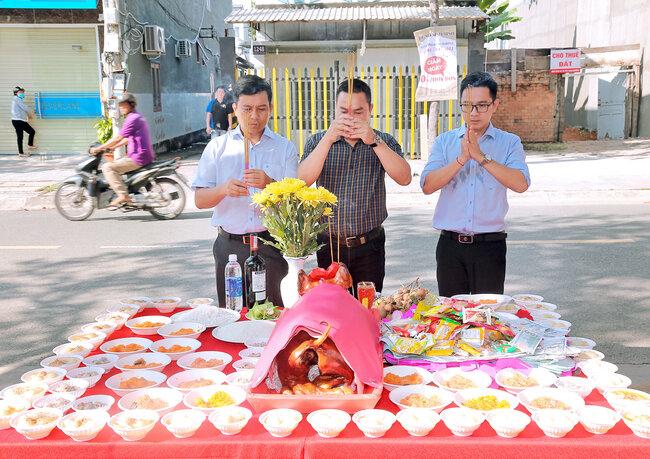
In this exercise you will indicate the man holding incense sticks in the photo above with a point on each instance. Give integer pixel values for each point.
(351, 160)
(232, 168)
(474, 166)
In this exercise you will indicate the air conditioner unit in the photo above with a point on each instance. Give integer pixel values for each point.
(154, 40)
(183, 48)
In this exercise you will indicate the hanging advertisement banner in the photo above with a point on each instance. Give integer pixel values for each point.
(438, 63)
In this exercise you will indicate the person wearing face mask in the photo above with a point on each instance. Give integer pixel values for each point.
(351, 160)
(474, 166)
(20, 116)
(224, 182)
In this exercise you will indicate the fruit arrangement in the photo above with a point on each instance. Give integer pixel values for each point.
(401, 300)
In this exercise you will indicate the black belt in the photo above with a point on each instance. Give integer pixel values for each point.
(472, 238)
(359, 240)
(245, 238)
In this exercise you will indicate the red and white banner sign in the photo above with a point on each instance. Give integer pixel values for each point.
(565, 60)
(438, 63)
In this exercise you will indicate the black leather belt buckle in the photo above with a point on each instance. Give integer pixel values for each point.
(466, 238)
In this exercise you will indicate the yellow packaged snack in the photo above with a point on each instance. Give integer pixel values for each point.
(445, 347)
(444, 330)
(468, 348)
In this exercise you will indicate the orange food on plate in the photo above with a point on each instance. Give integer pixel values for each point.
(183, 331)
(175, 348)
(488, 301)
(193, 384)
(148, 324)
(136, 382)
(202, 363)
(397, 380)
(131, 347)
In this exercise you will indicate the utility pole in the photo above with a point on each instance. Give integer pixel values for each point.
(433, 105)
(112, 63)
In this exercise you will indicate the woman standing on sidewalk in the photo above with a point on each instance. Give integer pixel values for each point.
(20, 116)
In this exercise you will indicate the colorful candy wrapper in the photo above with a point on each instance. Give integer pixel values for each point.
(441, 348)
(477, 315)
(444, 329)
(527, 340)
(471, 350)
(415, 346)
(473, 336)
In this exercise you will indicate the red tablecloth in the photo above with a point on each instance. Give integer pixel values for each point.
(254, 441)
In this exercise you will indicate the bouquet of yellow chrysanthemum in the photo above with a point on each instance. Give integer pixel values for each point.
(293, 213)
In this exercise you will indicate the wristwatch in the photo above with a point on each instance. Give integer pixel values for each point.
(377, 141)
(486, 159)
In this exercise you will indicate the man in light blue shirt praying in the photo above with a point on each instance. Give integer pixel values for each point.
(473, 167)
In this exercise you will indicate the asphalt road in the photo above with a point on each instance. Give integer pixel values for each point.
(591, 260)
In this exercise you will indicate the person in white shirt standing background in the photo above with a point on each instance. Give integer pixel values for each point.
(20, 116)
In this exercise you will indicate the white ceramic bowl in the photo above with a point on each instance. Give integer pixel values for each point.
(593, 368)
(598, 419)
(537, 398)
(38, 431)
(43, 375)
(622, 399)
(532, 305)
(180, 380)
(161, 361)
(607, 382)
(66, 362)
(93, 402)
(192, 398)
(166, 304)
(71, 388)
(508, 423)
(443, 397)
(256, 342)
(555, 423)
(464, 396)
(589, 354)
(128, 309)
(240, 378)
(136, 325)
(251, 353)
(56, 401)
(183, 423)
(491, 300)
(527, 297)
(403, 371)
(230, 420)
(143, 422)
(543, 314)
(540, 376)
(374, 423)
(581, 343)
(187, 361)
(168, 330)
(445, 379)
(576, 384)
(638, 420)
(113, 383)
(10, 408)
(328, 423)
(89, 374)
(80, 348)
(140, 301)
(167, 343)
(105, 361)
(101, 327)
(194, 302)
(280, 422)
(418, 422)
(24, 391)
(462, 421)
(143, 344)
(118, 319)
(244, 364)
(94, 338)
(133, 400)
(556, 324)
(94, 420)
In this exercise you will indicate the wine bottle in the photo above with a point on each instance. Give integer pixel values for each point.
(255, 272)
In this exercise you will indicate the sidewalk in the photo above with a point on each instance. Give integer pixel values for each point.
(585, 172)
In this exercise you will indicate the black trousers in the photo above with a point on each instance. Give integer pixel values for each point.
(20, 127)
(366, 262)
(470, 268)
(276, 266)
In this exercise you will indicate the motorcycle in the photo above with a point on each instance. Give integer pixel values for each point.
(155, 188)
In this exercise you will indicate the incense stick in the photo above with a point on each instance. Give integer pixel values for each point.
(329, 228)
(246, 153)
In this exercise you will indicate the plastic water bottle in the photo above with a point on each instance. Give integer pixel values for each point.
(234, 291)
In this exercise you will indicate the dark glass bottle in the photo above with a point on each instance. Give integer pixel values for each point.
(255, 272)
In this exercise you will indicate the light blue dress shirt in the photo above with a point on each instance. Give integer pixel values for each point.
(474, 202)
(223, 159)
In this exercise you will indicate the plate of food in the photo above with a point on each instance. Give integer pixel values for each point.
(485, 400)
(549, 398)
(405, 375)
(491, 300)
(514, 381)
(209, 316)
(455, 379)
(419, 396)
(264, 311)
(239, 332)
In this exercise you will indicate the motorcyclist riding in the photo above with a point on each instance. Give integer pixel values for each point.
(140, 152)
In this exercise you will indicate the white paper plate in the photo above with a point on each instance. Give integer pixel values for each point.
(222, 316)
(238, 332)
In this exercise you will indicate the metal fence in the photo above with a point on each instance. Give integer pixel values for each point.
(303, 103)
